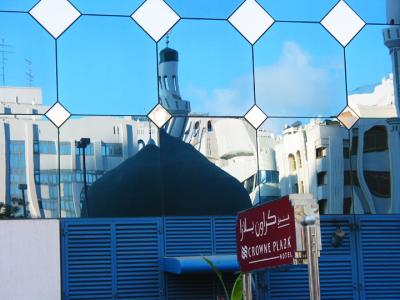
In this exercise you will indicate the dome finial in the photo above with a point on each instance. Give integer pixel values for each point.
(167, 41)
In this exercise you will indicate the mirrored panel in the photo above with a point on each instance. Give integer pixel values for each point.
(372, 71)
(299, 71)
(107, 65)
(29, 173)
(103, 170)
(306, 156)
(215, 70)
(220, 9)
(105, 7)
(20, 5)
(375, 165)
(27, 65)
(377, 11)
(208, 165)
(300, 10)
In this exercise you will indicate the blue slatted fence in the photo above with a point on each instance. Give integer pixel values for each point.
(121, 259)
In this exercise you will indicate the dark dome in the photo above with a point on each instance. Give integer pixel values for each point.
(168, 54)
(172, 180)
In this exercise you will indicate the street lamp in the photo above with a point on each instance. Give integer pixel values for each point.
(82, 144)
(23, 187)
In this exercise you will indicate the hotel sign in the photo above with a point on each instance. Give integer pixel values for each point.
(266, 236)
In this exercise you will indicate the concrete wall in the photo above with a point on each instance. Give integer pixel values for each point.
(30, 260)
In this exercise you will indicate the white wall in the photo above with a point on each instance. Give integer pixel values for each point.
(29, 259)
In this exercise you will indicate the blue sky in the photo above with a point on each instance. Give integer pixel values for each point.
(107, 64)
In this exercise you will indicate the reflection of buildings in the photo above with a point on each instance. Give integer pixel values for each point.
(345, 172)
(360, 172)
(29, 151)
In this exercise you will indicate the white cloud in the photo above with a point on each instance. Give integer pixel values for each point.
(235, 100)
(295, 86)
(291, 86)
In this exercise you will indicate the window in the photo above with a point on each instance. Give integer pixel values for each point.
(16, 167)
(166, 86)
(292, 163)
(375, 139)
(346, 152)
(7, 110)
(347, 178)
(65, 148)
(111, 149)
(89, 150)
(347, 203)
(269, 176)
(378, 183)
(354, 145)
(209, 126)
(320, 152)
(296, 188)
(301, 187)
(346, 148)
(175, 83)
(322, 206)
(322, 178)
(298, 156)
(44, 147)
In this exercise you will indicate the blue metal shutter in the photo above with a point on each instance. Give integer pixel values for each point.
(87, 260)
(138, 253)
(188, 236)
(225, 235)
(112, 259)
(379, 256)
(337, 268)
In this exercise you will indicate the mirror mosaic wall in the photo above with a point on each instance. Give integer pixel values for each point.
(150, 108)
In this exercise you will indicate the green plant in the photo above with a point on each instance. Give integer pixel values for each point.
(10, 210)
(237, 290)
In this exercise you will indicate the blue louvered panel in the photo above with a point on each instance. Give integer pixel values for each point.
(338, 274)
(137, 257)
(337, 268)
(288, 283)
(187, 236)
(87, 260)
(380, 256)
(225, 235)
(192, 286)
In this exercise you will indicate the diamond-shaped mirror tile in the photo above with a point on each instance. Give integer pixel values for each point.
(255, 116)
(348, 117)
(55, 15)
(159, 115)
(251, 20)
(58, 114)
(156, 17)
(343, 23)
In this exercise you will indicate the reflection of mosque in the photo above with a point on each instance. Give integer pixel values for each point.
(345, 172)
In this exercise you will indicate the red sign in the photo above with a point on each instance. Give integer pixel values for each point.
(266, 236)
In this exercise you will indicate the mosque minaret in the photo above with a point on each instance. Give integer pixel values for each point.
(169, 93)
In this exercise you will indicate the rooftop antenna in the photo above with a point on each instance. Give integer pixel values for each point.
(4, 50)
(29, 73)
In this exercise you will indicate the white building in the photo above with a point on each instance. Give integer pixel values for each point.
(357, 172)
(29, 151)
